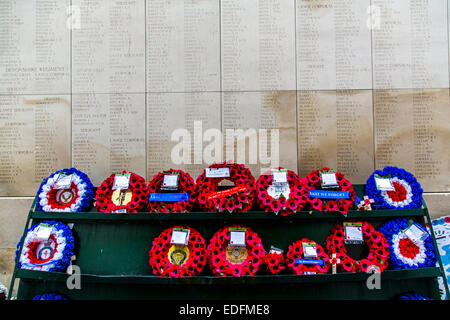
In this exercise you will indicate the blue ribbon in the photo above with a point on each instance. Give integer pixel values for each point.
(309, 261)
(169, 197)
(329, 194)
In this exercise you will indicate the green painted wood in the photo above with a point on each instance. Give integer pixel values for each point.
(112, 253)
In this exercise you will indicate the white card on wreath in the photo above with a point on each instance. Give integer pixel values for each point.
(237, 238)
(180, 237)
(217, 172)
(121, 181)
(384, 184)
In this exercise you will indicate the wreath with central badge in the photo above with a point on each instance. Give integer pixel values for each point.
(407, 252)
(285, 198)
(375, 240)
(75, 194)
(313, 181)
(178, 260)
(237, 199)
(51, 254)
(132, 199)
(185, 187)
(227, 260)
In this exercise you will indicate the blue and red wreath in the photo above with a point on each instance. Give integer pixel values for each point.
(298, 265)
(404, 252)
(407, 193)
(53, 254)
(77, 198)
(167, 259)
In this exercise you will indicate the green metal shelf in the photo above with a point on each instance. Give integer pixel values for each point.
(209, 280)
(251, 215)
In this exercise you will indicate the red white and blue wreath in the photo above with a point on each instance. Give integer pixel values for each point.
(410, 245)
(46, 254)
(406, 191)
(67, 190)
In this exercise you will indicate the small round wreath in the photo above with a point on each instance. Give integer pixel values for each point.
(407, 193)
(53, 254)
(185, 185)
(77, 198)
(174, 260)
(295, 251)
(235, 261)
(406, 254)
(375, 240)
(50, 296)
(274, 262)
(133, 199)
(237, 199)
(314, 182)
(413, 296)
(284, 205)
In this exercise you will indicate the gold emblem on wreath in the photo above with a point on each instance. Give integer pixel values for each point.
(64, 196)
(236, 255)
(178, 254)
(121, 197)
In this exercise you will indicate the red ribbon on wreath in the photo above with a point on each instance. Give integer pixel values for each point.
(225, 260)
(167, 259)
(185, 183)
(313, 182)
(237, 199)
(375, 240)
(295, 253)
(132, 199)
(285, 204)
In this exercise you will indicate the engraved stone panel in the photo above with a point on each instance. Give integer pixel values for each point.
(34, 140)
(412, 132)
(258, 45)
(34, 47)
(185, 117)
(108, 134)
(260, 116)
(108, 50)
(183, 45)
(410, 46)
(335, 130)
(333, 45)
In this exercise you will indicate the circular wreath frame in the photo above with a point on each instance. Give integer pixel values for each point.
(219, 264)
(284, 206)
(137, 186)
(60, 258)
(375, 240)
(240, 202)
(185, 184)
(425, 258)
(405, 181)
(295, 251)
(313, 181)
(193, 266)
(82, 188)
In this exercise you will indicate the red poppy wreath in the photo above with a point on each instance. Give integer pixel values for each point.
(227, 260)
(175, 260)
(132, 199)
(314, 182)
(300, 262)
(271, 198)
(237, 199)
(274, 262)
(181, 201)
(378, 249)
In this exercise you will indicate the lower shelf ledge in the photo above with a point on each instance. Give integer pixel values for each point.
(390, 275)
